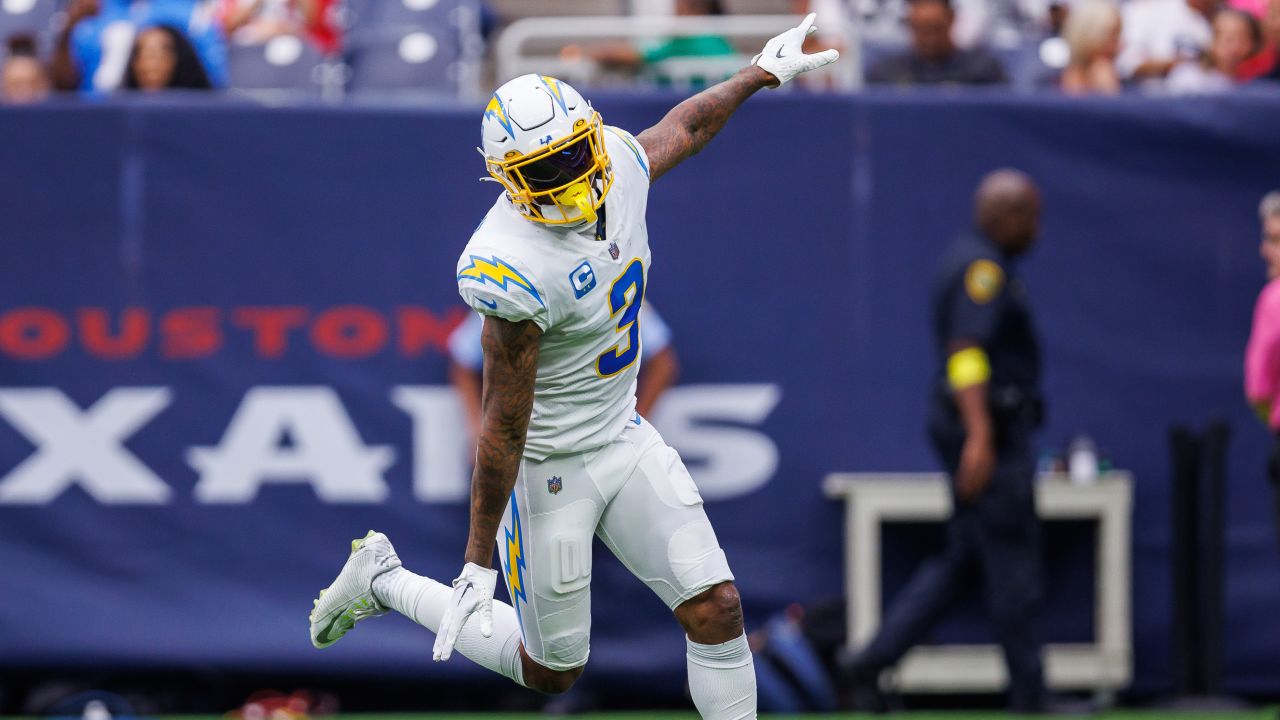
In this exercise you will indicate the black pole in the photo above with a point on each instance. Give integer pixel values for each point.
(1216, 439)
(1185, 448)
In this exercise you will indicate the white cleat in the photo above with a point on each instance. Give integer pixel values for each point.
(350, 598)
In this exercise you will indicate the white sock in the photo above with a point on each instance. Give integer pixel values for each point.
(424, 600)
(722, 679)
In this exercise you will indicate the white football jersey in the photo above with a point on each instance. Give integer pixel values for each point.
(584, 293)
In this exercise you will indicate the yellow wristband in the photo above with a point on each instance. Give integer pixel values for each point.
(1262, 409)
(967, 368)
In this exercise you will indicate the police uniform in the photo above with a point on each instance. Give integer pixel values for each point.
(978, 299)
(591, 464)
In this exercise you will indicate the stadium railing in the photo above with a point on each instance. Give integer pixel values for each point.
(533, 44)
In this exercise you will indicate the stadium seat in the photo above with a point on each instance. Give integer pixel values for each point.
(365, 14)
(1025, 64)
(28, 16)
(423, 59)
(283, 63)
(417, 12)
(431, 46)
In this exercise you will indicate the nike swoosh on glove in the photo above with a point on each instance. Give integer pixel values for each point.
(784, 57)
(472, 594)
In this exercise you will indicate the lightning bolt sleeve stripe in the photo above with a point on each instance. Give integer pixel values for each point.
(498, 272)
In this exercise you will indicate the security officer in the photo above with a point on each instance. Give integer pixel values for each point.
(985, 408)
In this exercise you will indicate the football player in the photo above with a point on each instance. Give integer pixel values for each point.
(558, 268)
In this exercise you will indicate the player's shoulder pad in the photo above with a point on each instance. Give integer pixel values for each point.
(497, 283)
(984, 280)
(633, 149)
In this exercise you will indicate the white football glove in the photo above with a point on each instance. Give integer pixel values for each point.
(784, 58)
(472, 594)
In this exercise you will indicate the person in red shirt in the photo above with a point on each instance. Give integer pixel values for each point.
(1265, 65)
(251, 22)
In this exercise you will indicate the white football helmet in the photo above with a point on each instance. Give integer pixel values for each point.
(543, 141)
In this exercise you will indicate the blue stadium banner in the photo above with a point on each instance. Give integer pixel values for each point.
(222, 335)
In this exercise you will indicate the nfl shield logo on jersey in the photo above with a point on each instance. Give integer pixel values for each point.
(614, 252)
(555, 485)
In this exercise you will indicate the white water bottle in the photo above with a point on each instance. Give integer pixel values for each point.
(1082, 460)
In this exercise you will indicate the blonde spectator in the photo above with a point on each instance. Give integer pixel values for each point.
(1092, 32)
(1236, 37)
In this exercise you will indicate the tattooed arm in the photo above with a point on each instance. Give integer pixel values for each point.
(691, 124)
(510, 367)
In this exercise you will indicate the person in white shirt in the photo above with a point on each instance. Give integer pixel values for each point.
(1158, 34)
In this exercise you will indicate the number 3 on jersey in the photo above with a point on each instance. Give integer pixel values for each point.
(625, 296)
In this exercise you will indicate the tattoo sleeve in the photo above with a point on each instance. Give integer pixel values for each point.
(691, 124)
(510, 368)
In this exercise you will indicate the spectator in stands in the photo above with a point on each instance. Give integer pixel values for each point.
(1266, 64)
(252, 22)
(1237, 36)
(978, 22)
(1262, 356)
(93, 48)
(1158, 34)
(933, 57)
(635, 57)
(163, 59)
(658, 370)
(23, 79)
(1092, 31)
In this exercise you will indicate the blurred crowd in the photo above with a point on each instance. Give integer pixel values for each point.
(332, 48)
(1076, 46)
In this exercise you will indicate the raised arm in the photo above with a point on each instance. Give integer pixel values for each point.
(510, 368)
(66, 74)
(684, 131)
(690, 125)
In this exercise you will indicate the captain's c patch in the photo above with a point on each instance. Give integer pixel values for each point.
(583, 279)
